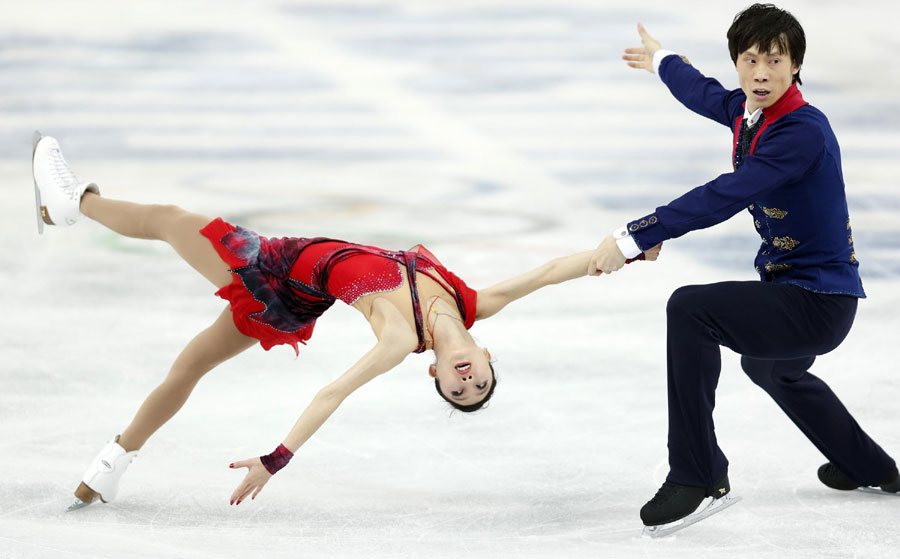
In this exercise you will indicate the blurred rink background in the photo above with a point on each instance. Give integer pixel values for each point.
(498, 134)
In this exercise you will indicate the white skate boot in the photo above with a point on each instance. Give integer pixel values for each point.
(57, 191)
(101, 480)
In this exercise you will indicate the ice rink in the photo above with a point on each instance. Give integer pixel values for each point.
(498, 134)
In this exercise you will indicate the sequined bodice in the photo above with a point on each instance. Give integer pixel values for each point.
(282, 285)
(348, 271)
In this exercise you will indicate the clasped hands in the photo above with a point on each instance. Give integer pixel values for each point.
(608, 258)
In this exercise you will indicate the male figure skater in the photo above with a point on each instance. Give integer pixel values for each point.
(787, 174)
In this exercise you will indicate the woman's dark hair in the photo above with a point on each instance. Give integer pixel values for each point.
(764, 26)
(471, 407)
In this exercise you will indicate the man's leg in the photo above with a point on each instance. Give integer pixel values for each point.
(818, 412)
(762, 320)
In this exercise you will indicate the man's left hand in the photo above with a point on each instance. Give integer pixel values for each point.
(607, 258)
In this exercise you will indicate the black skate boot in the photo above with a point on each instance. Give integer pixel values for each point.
(678, 506)
(835, 478)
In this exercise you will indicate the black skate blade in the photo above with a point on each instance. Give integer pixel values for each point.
(78, 504)
(877, 491)
(703, 511)
(37, 193)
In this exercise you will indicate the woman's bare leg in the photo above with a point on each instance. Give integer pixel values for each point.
(209, 348)
(216, 344)
(178, 227)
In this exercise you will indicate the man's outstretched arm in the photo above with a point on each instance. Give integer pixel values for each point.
(705, 96)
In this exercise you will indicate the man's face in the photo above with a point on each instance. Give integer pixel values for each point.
(764, 76)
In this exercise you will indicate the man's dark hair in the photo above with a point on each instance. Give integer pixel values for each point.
(471, 407)
(764, 26)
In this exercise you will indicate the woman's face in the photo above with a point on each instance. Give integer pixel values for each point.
(464, 374)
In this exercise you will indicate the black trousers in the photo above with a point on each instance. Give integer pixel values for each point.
(779, 329)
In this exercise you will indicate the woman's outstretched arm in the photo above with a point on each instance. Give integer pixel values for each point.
(558, 270)
(395, 342)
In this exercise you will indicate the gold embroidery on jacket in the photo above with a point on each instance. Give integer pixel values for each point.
(774, 213)
(850, 239)
(853, 256)
(776, 267)
(785, 243)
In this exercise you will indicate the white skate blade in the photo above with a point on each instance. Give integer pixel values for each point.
(37, 193)
(703, 511)
(877, 491)
(78, 504)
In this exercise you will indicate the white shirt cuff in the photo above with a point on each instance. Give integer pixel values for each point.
(626, 243)
(658, 58)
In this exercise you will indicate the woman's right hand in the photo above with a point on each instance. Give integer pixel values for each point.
(641, 58)
(256, 478)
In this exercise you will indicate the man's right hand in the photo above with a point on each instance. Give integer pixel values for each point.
(642, 57)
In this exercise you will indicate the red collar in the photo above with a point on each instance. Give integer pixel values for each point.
(789, 102)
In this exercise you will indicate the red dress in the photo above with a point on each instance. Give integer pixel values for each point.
(281, 286)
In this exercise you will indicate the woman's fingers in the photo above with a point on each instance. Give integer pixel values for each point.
(592, 266)
(253, 482)
(653, 253)
(235, 497)
(246, 492)
(242, 491)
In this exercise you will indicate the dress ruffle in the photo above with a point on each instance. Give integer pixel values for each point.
(262, 304)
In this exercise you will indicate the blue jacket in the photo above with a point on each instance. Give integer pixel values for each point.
(790, 182)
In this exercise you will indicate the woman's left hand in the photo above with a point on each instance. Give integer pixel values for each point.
(256, 478)
(607, 259)
(653, 253)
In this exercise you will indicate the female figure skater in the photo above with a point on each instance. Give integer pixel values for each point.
(276, 288)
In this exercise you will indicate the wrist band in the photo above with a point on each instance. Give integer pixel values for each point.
(277, 460)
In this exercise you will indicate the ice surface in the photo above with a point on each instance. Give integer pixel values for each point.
(499, 134)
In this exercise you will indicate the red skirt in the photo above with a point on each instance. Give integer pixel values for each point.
(243, 304)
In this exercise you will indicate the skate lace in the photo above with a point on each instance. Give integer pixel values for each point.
(664, 493)
(62, 174)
